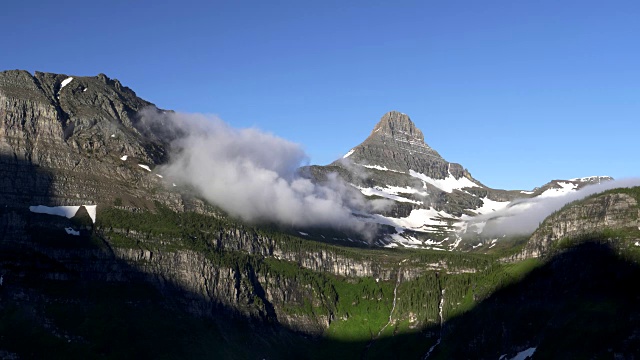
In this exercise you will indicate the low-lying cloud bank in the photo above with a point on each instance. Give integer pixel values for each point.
(254, 175)
(522, 217)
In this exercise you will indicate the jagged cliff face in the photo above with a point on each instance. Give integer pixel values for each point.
(77, 129)
(397, 144)
(614, 212)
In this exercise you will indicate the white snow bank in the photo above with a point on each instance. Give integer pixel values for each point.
(160, 176)
(70, 231)
(405, 240)
(447, 184)
(391, 193)
(65, 82)
(146, 167)
(418, 219)
(349, 153)
(91, 209)
(381, 168)
(526, 192)
(124, 158)
(66, 211)
(564, 189)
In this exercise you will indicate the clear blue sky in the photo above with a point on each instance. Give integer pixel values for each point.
(519, 92)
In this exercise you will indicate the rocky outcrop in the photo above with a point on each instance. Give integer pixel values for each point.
(612, 210)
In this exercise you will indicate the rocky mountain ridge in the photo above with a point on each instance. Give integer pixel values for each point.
(434, 201)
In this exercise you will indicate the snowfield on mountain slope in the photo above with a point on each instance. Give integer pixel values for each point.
(381, 168)
(422, 220)
(565, 187)
(348, 154)
(447, 184)
(392, 193)
(65, 82)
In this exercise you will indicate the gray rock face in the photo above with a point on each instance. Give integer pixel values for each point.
(397, 144)
(76, 129)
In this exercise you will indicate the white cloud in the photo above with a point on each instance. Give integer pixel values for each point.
(524, 216)
(254, 175)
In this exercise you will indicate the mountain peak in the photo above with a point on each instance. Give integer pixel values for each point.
(398, 126)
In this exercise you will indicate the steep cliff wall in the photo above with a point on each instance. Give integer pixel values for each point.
(78, 129)
(615, 210)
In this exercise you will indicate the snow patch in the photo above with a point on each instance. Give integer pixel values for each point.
(146, 167)
(124, 158)
(564, 189)
(381, 168)
(447, 184)
(303, 233)
(637, 243)
(70, 231)
(391, 192)
(64, 83)
(526, 192)
(113, 135)
(160, 176)
(418, 219)
(349, 153)
(66, 211)
(91, 209)
(406, 240)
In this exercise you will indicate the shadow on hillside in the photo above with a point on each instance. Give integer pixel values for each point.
(70, 297)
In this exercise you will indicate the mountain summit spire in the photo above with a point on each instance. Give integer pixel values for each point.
(399, 126)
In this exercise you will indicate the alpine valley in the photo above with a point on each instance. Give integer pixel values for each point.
(105, 256)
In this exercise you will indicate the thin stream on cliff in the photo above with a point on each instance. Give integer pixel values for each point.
(440, 307)
(395, 297)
